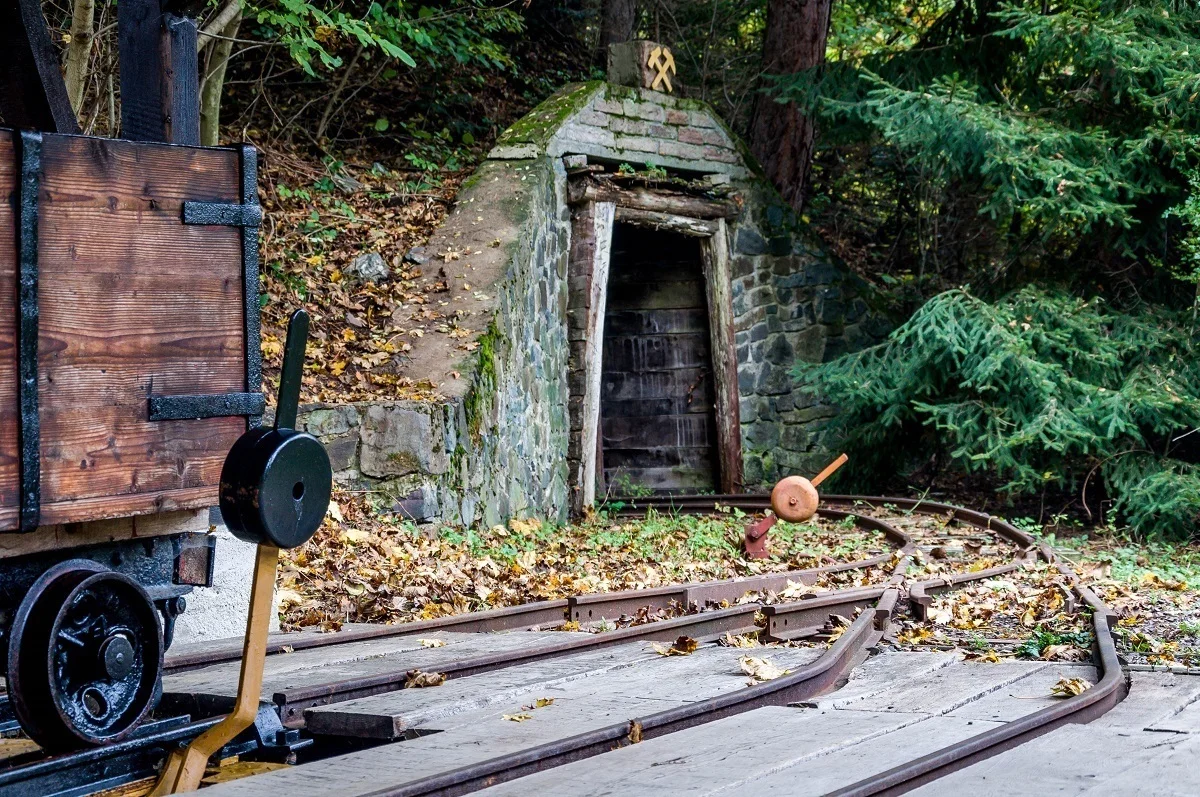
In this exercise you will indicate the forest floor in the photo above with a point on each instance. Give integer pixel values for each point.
(367, 565)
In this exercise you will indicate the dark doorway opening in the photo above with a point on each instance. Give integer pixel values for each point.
(657, 421)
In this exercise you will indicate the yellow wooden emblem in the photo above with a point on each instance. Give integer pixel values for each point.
(662, 62)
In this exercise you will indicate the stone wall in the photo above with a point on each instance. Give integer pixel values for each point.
(792, 303)
(496, 444)
(791, 300)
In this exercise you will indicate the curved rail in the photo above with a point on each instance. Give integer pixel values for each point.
(784, 621)
(550, 612)
(1081, 708)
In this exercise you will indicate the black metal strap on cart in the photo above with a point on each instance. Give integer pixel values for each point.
(248, 215)
(28, 426)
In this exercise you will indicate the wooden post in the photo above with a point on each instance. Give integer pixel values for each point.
(160, 85)
(719, 290)
(602, 235)
(32, 93)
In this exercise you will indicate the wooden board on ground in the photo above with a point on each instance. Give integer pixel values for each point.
(216, 685)
(771, 750)
(1113, 750)
(634, 672)
(948, 688)
(655, 684)
(1152, 698)
(389, 716)
(1067, 761)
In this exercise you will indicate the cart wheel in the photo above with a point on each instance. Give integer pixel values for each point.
(84, 657)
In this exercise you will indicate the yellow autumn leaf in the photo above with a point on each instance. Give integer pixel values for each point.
(432, 643)
(355, 536)
(518, 717)
(1069, 687)
(738, 641)
(288, 597)
(761, 669)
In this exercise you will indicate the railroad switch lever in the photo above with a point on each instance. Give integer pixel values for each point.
(793, 499)
(275, 488)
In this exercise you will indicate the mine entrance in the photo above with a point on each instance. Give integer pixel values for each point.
(657, 422)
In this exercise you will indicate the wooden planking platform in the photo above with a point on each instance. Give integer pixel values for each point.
(879, 722)
(390, 716)
(216, 685)
(1139, 747)
(885, 720)
(652, 684)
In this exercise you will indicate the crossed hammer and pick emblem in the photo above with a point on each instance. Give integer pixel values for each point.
(662, 62)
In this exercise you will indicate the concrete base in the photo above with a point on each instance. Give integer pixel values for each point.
(219, 611)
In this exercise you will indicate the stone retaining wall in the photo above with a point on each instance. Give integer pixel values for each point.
(496, 445)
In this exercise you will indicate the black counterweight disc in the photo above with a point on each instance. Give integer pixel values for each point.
(84, 657)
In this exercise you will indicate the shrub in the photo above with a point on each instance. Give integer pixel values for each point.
(1038, 389)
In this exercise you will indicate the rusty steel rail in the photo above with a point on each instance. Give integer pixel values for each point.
(1081, 708)
(806, 682)
(874, 605)
(609, 605)
(785, 621)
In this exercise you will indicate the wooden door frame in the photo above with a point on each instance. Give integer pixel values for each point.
(592, 228)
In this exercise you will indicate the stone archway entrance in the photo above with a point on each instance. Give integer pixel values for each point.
(671, 254)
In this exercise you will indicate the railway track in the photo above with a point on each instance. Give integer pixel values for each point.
(308, 704)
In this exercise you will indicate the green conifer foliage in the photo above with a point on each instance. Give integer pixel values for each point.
(1038, 388)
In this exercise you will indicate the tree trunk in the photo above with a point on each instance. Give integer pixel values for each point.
(781, 136)
(617, 19)
(79, 50)
(214, 81)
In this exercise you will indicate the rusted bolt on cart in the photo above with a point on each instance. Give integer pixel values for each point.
(794, 499)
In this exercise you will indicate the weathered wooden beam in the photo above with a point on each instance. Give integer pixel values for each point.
(719, 288)
(585, 190)
(666, 222)
(32, 93)
(181, 83)
(160, 84)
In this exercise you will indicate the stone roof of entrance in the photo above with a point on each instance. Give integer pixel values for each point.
(627, 125)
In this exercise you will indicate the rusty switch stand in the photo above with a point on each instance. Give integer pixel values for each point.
(795, 500)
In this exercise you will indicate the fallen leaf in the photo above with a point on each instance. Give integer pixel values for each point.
(635, 732)
(1070, 687)
(683, 646)
(541, 702)
(1064, 653)
(419, 680)
(287, 597)
(518, 717)
(432, 643)
(738, 641)
(1155, 580)
(760, 669)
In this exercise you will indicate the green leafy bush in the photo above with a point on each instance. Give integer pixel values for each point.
(1040, 389)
